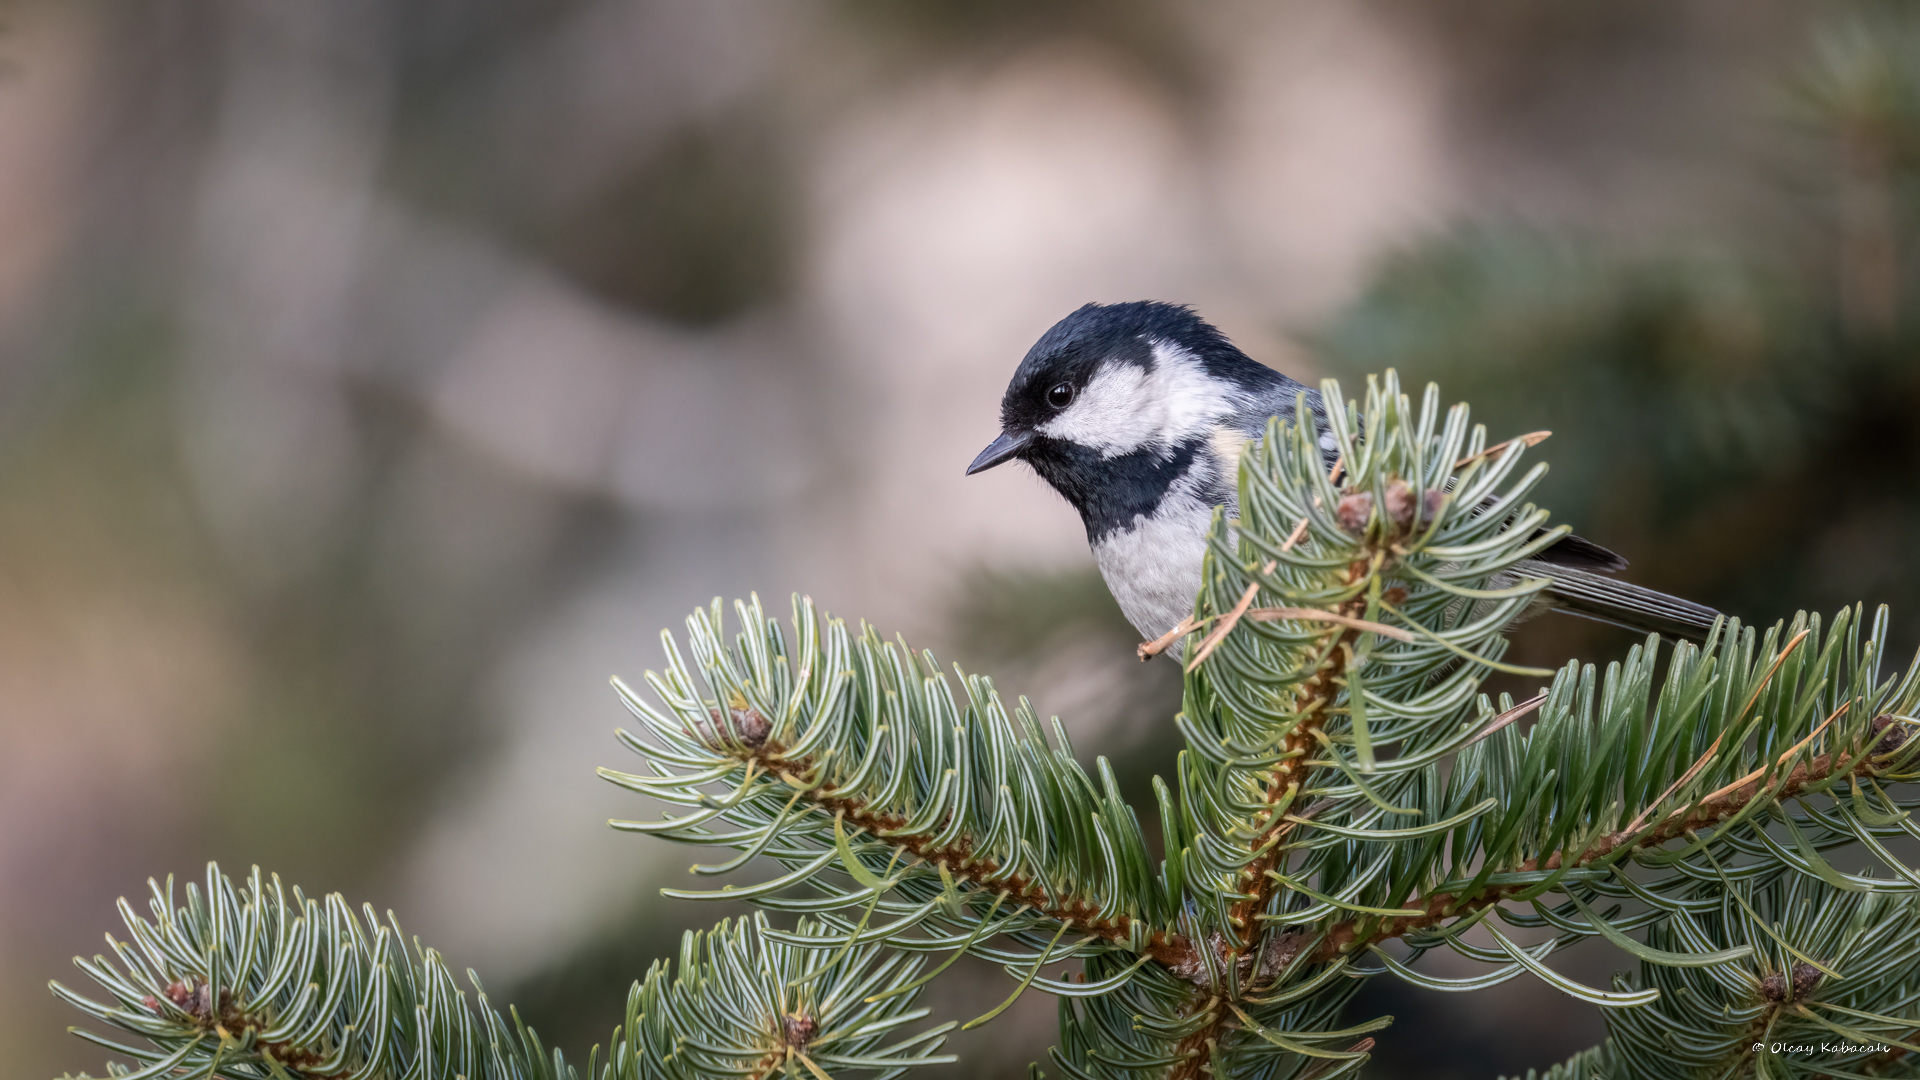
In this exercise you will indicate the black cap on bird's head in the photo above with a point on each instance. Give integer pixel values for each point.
(1103, 378)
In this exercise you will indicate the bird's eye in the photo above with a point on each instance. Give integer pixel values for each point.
(1060, 396)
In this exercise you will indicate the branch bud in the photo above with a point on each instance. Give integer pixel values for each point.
(745, 726)
(1893, 733)
(797, 1030)
(1805, 977)
(1354, 511)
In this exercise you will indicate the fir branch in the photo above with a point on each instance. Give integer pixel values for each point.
(1389, 511)
(850, 761)
(1345, 784)
(744, 1005)
(1314, 695)
(1764, 1019)
(959, 857)
(247, 983)
(1885, 738)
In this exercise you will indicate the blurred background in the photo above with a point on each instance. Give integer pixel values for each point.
(378, 378)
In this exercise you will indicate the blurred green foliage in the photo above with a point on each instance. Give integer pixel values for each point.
(1737, 411)
(698, 231)
(1738, 414)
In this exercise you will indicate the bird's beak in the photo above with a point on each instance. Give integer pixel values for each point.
(1004, 448)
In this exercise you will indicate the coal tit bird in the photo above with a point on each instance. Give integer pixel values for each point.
(1138, 413)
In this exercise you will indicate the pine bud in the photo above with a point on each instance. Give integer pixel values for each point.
(1400, 503)
(1892, 732)
(1408, 512)
(798, 1030)
(745, 726)
(1354, 511)
(1805, 977)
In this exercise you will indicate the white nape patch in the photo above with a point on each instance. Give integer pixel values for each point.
(1123, 409)
(1228, 445)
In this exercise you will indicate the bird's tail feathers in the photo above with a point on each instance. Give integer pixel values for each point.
(1610, 600)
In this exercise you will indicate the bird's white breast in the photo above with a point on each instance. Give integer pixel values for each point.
(1153, 568)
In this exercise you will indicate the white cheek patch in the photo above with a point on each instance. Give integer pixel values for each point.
(1123, 409)
(1113, 413)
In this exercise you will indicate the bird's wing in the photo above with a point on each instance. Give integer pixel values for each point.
(1580, 553)
(1249, 423)
(1575, 565)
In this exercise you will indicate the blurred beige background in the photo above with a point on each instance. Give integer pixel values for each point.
(378, 378)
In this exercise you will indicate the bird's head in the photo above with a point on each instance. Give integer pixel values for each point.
(1141, 382)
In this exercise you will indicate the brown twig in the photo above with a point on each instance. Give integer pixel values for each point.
(1256, 884)
(959, 857)
(1213, 639)
(1346, 937)
(1714, 747)
(1782, 759)
(1274, 614)
(1299, 531)
(1147, 650)
(1226, 624)
(1531, 438)
(1508, 717)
